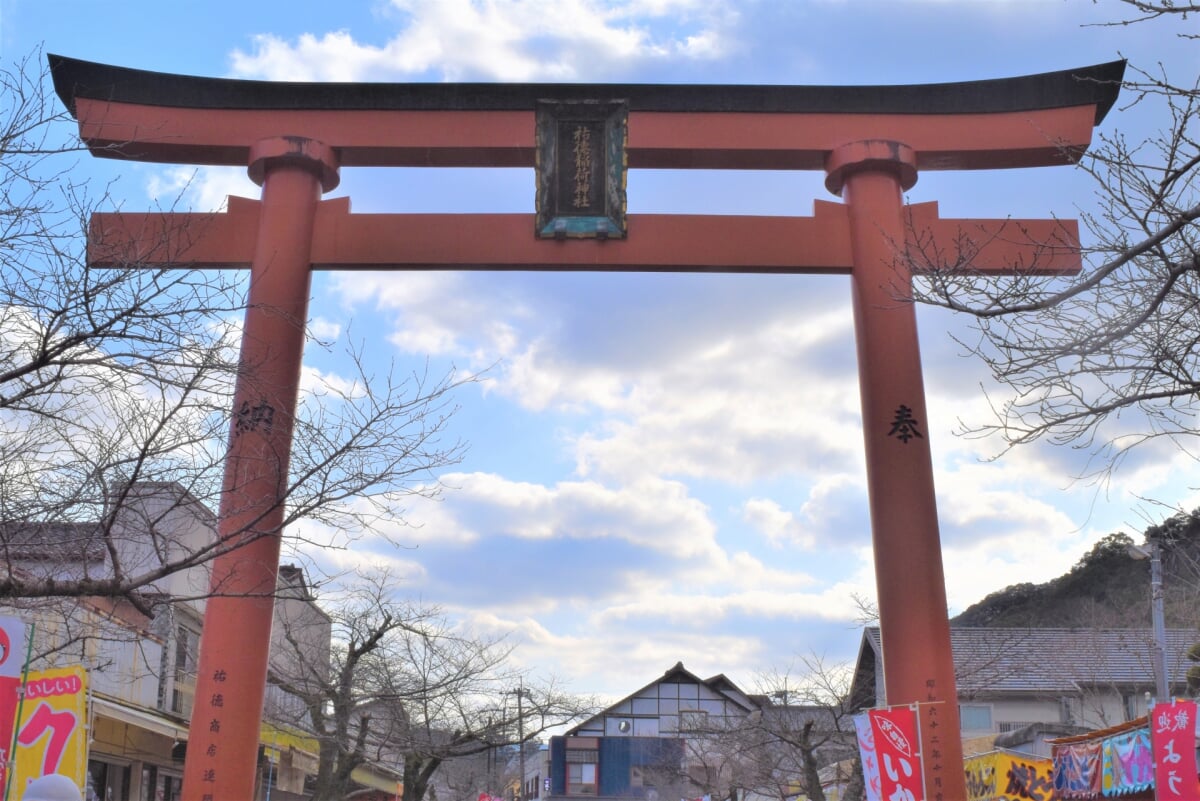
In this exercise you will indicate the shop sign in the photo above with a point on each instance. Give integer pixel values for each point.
(52, 735)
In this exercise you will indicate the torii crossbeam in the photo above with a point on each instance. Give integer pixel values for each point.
(870, 141)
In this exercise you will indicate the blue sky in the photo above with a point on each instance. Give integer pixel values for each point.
(662, 468)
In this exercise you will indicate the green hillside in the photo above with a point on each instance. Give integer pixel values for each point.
(1106, 587)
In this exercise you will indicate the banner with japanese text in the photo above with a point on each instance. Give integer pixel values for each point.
(1173, 741)
(12, 663)
(1005, 776)
(52, 735)
(899, 757)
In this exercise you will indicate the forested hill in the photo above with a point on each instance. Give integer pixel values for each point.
(1105, 588)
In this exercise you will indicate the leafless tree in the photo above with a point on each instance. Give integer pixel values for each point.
(813, 728)
(119, 378)
(804, 724)
(407, 689)
(1108, 360)
(1146, 10)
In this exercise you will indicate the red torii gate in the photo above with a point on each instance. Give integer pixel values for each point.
(870, 141)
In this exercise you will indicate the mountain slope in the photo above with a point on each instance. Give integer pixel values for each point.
(1106, 587)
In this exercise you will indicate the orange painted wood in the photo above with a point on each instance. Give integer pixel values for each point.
(231, 677)
(674, 140)
(911, 588)
(656, 242)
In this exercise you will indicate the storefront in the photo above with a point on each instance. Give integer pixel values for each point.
(134, 755)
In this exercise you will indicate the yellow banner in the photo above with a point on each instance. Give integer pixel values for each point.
(52, 735)
(1001, 776)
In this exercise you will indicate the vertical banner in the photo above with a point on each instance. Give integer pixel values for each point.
(52, 734)
(895, 732)
(868, 757)
(12, 663)
(1173, 740)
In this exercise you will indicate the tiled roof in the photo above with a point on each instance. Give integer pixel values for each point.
(51, 542)
(1058, 660)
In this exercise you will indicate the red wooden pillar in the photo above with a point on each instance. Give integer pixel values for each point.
(223, 743)
(918, 664)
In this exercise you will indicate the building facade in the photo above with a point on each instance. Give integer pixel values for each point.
(1063, 680)
(680, 737)
(142, 662)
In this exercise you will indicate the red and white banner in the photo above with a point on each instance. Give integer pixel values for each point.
(12, 663)
(1173, 742)
(12, 647)
(899, 754)
(868, 757)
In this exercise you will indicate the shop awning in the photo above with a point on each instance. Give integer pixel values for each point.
(375, 780)
(142, 719)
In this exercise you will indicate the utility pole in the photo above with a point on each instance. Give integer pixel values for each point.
(1152, 552)
(521, 739)
(520, 692)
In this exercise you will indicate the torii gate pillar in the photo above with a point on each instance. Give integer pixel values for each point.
(871, 177)
(223, 737)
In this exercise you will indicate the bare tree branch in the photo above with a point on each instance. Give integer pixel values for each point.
(407, 688)
(118, 379)
(1110, 360)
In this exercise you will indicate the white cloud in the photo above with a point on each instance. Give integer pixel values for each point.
(506, 40)
(651, 514)
(199, 189)
(779, 525)
(324, 329)
(317, 384)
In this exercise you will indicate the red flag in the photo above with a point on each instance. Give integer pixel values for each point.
(12, 664)
(1173, 740)
(899, 753)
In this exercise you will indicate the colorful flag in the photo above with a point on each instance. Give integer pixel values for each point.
(1173, 739)
(896, 744)
(1128, 762)
(868, 757)
(1006, 776)
(12, 647)
(12, 664)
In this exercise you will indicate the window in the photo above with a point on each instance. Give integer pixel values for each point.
(975, 717)
(581, 778)
(160, 786)
(106, 781)
(645, 706)
(1131, 707)
(645, 727)
(187, 654)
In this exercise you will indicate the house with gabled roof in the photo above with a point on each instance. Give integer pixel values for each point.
(636, 748)
(1012, 678)
(657, 709)
(686, 737)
